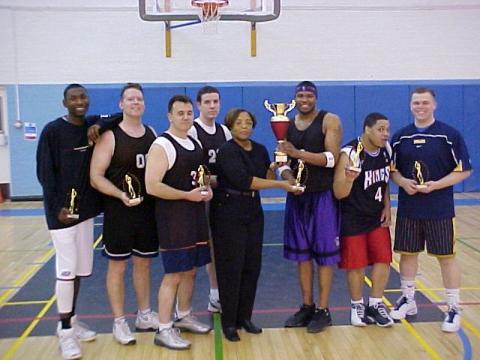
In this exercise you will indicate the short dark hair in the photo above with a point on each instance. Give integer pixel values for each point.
(206, 90)
(423, 90)
(70, 87)
(131, 86)
(178, 98)
(372, 118)
(232, 116)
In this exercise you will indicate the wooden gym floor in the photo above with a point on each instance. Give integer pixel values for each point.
(27, 304)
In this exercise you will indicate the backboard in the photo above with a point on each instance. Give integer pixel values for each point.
(183, 10)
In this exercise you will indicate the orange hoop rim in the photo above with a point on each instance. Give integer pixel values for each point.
(202, 3)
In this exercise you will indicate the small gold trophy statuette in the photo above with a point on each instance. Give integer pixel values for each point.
(203, 179)
(419, 175)
(356, 162)
(301, 177)
(73, 205)
(134, 195)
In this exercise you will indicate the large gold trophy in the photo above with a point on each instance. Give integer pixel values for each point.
(279, 122)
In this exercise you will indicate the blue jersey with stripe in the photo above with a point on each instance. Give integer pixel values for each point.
(441, 149)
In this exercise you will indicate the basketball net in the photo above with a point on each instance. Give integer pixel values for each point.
(209, 12)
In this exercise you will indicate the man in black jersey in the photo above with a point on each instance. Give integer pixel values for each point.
(63, 161)
(212, 136)
(361, 182)
(118, 171)
(182, 228)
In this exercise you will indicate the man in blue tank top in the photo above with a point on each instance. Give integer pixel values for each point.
(311, 217)
(429, 157)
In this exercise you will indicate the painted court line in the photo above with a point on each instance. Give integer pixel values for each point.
(433, 354)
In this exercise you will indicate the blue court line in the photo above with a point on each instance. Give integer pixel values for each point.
(266, 207)
(467, 347)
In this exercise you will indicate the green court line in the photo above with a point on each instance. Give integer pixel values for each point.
(218, 337)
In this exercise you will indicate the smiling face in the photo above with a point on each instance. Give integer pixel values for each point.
(306, 102)
(379, 133)
(242, 127)
(132, 103)
(181, 116)
(76, 101)
(422, 107)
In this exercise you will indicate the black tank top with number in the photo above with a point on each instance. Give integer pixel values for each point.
(129, 157)
(210, 144)
(362, 209)
(312, 139)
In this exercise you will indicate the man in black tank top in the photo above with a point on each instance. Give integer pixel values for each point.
(118, 171)
(212, 136)
(311, 217)
(182, 227)
(361, 182)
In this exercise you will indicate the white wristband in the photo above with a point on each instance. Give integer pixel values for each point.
(330, 159)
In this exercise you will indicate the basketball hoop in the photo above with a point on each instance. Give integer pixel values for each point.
(209, 9)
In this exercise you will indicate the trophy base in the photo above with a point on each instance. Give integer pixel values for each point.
(73, 216)
(421, 186)
(135, 201)
(280, 158)
(300, 188)
(354, 168)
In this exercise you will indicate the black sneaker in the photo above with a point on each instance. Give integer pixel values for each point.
(378, 314)
(302, 317)
(321, 319)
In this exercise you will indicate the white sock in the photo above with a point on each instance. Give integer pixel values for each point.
(64, 292)
(374, 301)
(214, 294)
(182, 314)
(453, 297)
(356, 301)
(408, 288)
(119, 320)
(145, 312)
(165, 326)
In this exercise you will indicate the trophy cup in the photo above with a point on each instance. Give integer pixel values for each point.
(203, 179)
(356, 163)
(279, 123)
(420, 174)
(301, 173)
(72, 200)
(132, 187)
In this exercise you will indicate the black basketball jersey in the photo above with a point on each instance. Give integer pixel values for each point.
(129, 156)
(178, 221)
(210, 144)
(362, 209)
(312, 139)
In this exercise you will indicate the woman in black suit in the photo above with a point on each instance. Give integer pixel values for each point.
(237, 221)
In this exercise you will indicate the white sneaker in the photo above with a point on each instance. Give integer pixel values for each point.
(68, 344)
(357, 315)
(148, 322)
(452, 320)
(82, 331)
(214, 305)
(192, 324)
(404, 307)
(121, 333)
(170, 338)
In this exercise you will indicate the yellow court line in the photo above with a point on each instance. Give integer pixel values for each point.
(433, 289)
(29, 329)
(34, 302)
(421, 286)
(433, 354)
(26, 275)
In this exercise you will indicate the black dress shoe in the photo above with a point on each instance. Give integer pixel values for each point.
(250, 327)
(231, 334)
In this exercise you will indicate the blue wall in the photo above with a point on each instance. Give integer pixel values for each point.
(459, 105)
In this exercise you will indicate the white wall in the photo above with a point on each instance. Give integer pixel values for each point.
(92, 41)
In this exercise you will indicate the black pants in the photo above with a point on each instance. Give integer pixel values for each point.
(237, 231)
